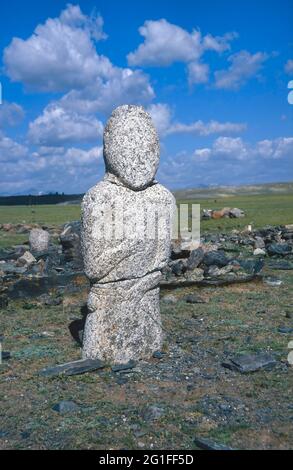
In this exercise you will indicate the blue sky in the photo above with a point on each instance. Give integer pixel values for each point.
(214, 76)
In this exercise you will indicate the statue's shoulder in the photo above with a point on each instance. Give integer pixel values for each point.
(164, 193)
(98, 194)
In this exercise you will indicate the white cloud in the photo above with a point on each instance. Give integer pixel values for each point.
(11, 114)
(57, 126)
(166, 43)
(289, 67)
(124, 86)
(198, 73)
(243, 67)
(237, 149)
(61, 56)
(162, 117)
(11, 150)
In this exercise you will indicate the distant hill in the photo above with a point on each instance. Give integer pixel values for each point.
(229, 191)
(32, 200)
(195, 193)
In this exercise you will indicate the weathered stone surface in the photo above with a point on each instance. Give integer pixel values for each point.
(280, 249)
(70, 241)
(246, 363)
(73, 368)
(125, 246)
(259, 252)
(208, 444)
(39, 240)
(26, 259)
(65, 407)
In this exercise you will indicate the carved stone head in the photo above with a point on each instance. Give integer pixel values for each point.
(131, 146)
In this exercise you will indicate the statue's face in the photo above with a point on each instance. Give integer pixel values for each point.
(131, 146)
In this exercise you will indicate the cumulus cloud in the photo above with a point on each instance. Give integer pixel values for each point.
(10, 150)
(198, 73)
(11, 114)
(289, 67)
(230, 161)
(57, 126)
(243, 67)
(124, 86)
(61, 55)
(166, 43)
(60, 169)
(162, 117)
(237, 149)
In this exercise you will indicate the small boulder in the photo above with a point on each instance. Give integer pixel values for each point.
(39, 240)
(27, 259)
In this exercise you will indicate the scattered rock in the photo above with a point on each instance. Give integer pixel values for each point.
(120, 367)
(194, 299)
(3, 301)
(259, 252)
(153, 413)
(195, 258)
(169, 299)
(5, 355)
(217, 258)
(26, 259)
(236, 213)
(65, 407)
(73, 368)
(208, 444)
(281, 265)
(285, 330)
(280, 249)
(39, 240)
(158, 354)
(246, 363)
(273, 281)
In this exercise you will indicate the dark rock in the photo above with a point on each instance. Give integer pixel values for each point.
(121, 380)
(282, 265)
(208, 444)
(73, 368)
(195, 258)
(120, 367)
(153, 413)
(236, 213)
(70, 241)
(5, 355)
(246, 363)
(65, 406)
(285, 330)
(273, 281)
(158, 355)
(35, 286)
(194, 299)
(50, 300)
(3, 301)
(252, 266)
(280, 249)
(10, 268)
(169, 299)
(178, 267)
(217, 258)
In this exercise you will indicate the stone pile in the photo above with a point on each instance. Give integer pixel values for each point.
(226, 212)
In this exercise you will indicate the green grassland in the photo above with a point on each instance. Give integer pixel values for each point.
(260, 210)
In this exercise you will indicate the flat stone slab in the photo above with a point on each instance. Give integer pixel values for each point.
(208, 444)
(73, 368)
(246, 363)
(121, 367)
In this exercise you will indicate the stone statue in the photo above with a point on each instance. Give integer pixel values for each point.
(125, 236)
